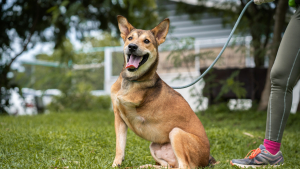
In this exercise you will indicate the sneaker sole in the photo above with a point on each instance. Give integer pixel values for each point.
(253, 166)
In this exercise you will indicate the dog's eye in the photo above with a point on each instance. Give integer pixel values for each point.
(130, 38)
(146, 41)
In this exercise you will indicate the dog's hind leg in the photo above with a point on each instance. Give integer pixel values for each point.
(189, 149)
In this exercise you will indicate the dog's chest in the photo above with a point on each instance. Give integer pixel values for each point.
(142, 124)
(128, 112)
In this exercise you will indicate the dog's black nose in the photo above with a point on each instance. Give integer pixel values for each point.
(132, 47)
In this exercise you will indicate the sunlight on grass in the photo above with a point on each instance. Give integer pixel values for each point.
(87, 139)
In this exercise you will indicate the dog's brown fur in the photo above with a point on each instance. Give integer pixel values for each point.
(152, 109)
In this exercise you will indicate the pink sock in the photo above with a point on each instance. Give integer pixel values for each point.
(272, 146)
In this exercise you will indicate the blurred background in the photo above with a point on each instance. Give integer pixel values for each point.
(65, 55)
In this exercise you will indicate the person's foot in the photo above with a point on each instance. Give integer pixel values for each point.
(259, 158)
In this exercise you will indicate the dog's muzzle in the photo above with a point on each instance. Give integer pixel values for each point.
(135, 61)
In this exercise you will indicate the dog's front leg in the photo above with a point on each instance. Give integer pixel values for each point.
(121, 133)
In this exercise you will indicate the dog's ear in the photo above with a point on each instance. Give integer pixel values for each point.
(161, 30)
(124, 26)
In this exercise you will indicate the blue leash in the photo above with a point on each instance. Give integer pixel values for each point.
(224, 47)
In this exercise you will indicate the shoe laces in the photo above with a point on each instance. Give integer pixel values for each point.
(254, 153)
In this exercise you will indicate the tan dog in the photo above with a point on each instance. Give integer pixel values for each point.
(151, 108)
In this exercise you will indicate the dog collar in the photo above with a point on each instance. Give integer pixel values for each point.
(135, 81)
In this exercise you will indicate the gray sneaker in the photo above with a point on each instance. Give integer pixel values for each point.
(259, 158)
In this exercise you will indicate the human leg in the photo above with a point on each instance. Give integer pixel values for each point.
(284, 75)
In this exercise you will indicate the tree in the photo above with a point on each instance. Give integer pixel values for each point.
(25, 23)
(44, 77)
(258, 21)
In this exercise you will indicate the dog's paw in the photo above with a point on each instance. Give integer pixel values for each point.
(117, 162)
(116, 165)
(145, 166)
(152, 166)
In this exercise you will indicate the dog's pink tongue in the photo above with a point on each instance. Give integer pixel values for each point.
(133, 62)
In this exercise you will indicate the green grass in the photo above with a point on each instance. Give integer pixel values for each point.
(87, 139)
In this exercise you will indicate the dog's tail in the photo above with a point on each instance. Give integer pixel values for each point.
(212, 162)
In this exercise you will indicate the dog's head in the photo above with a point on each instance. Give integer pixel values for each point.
(141, 47)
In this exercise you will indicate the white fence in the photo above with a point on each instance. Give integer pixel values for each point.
(169, 77)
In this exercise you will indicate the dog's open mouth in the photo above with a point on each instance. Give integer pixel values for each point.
(134, 62)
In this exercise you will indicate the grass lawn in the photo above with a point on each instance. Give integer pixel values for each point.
(87, 139)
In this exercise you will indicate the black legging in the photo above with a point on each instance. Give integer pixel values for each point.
(284, 75)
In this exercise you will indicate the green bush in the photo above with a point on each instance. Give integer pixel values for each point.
(79, 99)
(103, 102)
(78, 102)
